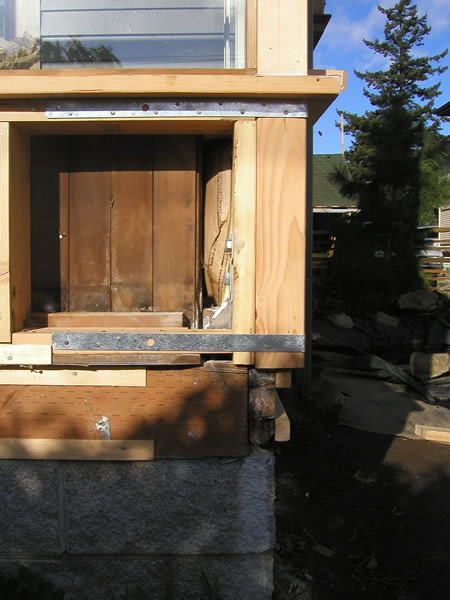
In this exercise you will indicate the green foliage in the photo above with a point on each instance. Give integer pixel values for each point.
(395, 155)
(27, 585)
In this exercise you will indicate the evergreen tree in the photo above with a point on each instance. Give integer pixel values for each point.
(386, 157)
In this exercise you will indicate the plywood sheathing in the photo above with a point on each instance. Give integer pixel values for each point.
(280, 235)
(188, 412)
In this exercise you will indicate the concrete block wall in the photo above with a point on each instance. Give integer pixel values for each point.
(102, 530)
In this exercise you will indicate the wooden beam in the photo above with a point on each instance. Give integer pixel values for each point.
(282, 422)
(5, 307)
(282, 37)
(46, 449)
(244, 232)
(62, 357)
(78, 83)
(57, 376)
(433, 434)
(26, 354)
(115, 319)
(280, 234)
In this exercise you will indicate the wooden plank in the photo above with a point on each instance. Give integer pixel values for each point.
(19, 215)
(112, 319)
(433, 434)
(283, 379)
(5, 306)
(74, 377)
(89, 234)
(244, 232)
(175, 227)
(147, 83)
(31, 354)
(280, 234)
(48, 449)
(282, 37)
(282, 422)
(132, 224)
(64, 237)
(189, 412)
(104, 358)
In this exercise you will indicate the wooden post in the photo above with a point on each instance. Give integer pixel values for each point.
(244, 232)
(5, 321)
(280, 234)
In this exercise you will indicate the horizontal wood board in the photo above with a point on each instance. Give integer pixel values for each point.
(190, 412)
(45, 449)
(73, 377)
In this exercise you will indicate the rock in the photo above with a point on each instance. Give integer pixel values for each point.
(261, 379)
(261, 403)
(427, 366)
(323, 550)
(382, 318)
(341, 320)
(419, 301)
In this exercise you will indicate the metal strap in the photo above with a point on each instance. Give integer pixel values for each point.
(182, 108)
(178, 342)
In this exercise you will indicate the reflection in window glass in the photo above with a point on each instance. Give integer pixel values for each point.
(177, 34)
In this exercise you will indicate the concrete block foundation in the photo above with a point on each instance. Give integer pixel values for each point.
(111, 530)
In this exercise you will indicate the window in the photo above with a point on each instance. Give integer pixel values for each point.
(175, 34)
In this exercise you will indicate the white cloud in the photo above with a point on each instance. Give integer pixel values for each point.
(438, 12)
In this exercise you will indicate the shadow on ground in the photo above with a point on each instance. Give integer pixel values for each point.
(360, 515)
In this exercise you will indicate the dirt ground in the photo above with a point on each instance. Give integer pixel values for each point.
(360, 515)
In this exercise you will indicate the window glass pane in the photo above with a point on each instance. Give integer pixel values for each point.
(122, 33)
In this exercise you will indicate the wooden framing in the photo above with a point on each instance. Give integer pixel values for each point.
(244, 232)
(280, 234)
(47, 449)
(73, 377)
(433, 434)
(183, 408)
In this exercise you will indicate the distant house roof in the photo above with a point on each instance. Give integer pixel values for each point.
(326, 193)
(443, 111)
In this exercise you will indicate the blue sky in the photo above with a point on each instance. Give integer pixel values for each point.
(342, 47)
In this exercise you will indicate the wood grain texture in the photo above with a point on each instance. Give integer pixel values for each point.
(115, 319)
(5, 305)
(280, 236)
(73, 377)
(47, 449)
(89, 218)
(175, 227)
(19, 218)
(282, 37)
(252, 34)
(282, 422)
(132, 224)
(433, 434)
(62, 357)
(189, 412)
(244, 232)
(283, 379)
(76, 83)
(33, 354)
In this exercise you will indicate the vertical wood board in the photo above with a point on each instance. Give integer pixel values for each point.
(280, 234)
(282, 36)
(89, 222)
(244, 232)
(5, 307)
(174, 234)
(20, 240)
(131, 224)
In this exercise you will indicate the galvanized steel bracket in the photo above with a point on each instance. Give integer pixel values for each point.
(168, 108)
(178, 342)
